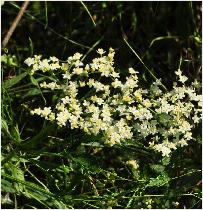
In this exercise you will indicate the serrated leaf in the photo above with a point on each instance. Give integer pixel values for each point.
(18, 174)
(32, 186)
(33, 193)
(165, 161)
(159, 181)
(158, 168)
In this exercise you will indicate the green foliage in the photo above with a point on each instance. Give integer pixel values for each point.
(159, 181)
(11, 82)
(44, 166)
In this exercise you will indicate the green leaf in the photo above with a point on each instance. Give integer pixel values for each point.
(11, 82)
(166, 161)
(34, 81)
(157, 168)
(33, 92)
(4, 126)
(15, 134)
(30, 185)
(4, 58)
(16, 173)
(165, 119)
(31, 47)
(159, 181)
(9, 60)
(7, 186)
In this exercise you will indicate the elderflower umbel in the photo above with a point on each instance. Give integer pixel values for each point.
(119, 109)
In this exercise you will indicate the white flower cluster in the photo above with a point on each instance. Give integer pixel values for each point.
(119, 110)
(44, 65)
(51, 85)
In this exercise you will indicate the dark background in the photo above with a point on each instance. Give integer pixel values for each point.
(177, 23)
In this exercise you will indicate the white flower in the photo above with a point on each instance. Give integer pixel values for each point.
(106, 114)
(141, 114)
(188, 135)
(51, 85)
(42, 112)
(91, 82)
(29, 61)
(77, 56)
(60, 107)
(100, 101)
(178, 72)
(100, 51)
(165, 107)
(86, 103)
(44, 65)
(182, 142)
(64, 67)
(98, 86)
(78, 71)
(184, 126)
(138, 95)
(182, 78)
(163, 149)
(66, 76)
(54, 66)
(82, 83)
(78, 63)
(132, 71)
(116, 83)
(62, 117)
(130, 83)
(196, 119)
(54, 59)
(119, 110)
(46, 111)
(115, 74)
(146, 103)
(127, 98)
(66, 100)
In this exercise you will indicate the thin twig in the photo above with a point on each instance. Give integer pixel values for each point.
(14, 24)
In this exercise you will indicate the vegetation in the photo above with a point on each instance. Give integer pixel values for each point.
(51, 159)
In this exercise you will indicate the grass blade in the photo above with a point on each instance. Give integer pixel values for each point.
(142, 62)
(88, 13)
(11, 82)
